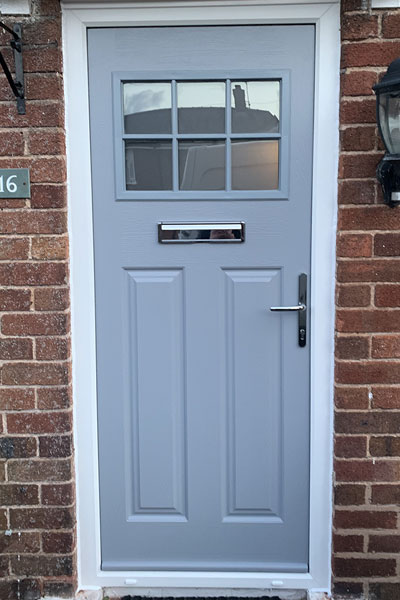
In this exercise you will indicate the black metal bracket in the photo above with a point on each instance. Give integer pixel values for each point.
(388, 175)
(17, 84)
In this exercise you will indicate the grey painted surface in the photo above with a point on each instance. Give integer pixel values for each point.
(203, 393)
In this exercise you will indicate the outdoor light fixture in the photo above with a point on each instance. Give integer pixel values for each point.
(388, 116)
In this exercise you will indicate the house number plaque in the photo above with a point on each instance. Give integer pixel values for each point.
(15, 183)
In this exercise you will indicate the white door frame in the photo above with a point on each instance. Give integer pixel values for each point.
(77, 17)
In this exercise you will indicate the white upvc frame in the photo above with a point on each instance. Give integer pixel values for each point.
(77, 17)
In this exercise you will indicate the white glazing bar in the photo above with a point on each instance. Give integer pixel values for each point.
(175, 154)
(228, 126)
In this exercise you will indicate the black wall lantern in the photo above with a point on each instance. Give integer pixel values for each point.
(388, 117)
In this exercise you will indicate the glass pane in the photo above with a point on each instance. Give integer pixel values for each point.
(147, 107)
(148, 165)
(201, 107)
(389, 116)
(255, 164)
(255, 106)
(202, 165)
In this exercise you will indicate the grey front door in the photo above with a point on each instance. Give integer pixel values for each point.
(201, 166)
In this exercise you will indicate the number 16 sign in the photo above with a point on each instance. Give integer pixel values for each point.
(14, 183)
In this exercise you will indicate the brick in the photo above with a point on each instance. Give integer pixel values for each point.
(354, 245)
(351, 398)
(385, 346)
(379, 54)
(42, 60)
(353, 295)
(41, 565)
(363, 519)
(3, 470)
(15, 300)
(358, 27)
(367, 218)
(55, 446)
(58, 589)
(387, 244)
(368, 372)
(4, 566)
(358, 138)
(358, 83)
(37, 115)
(367, 470)
(48, 196)
(348, 543)
(387, 295)
(351, 446)
(17, 399)
(369, 270)
(367, 422)
(3, 522)
(11, 494)
(367, 321)
(391, 26)
(353, 166)
(32, 222)
(57, 495)
(347, 588)
(52, 349)
(357, 111)
(39, 470)
(59, 542)
(349, 495)
(357, 192)
(32, 274)
(11, 143)
(50, 248)
(20, 542)
(21, 588)
(49, 299)
(385, 494)
(15, 349)
(53, 398)
(43, 31)
(53, 422)
(34, 324)
(46, 141)
(364, 567)
(14, 248)
(13, 203)
(384, 543)
(386, 397)
(48, 170)
(352, 347)
(384, 591)
(384, 446)
(44, 86)
(17, 447)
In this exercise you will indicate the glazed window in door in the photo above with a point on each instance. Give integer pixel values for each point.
(203, 392)
(227, 112)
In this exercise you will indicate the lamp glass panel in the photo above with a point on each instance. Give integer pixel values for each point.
(389, 118)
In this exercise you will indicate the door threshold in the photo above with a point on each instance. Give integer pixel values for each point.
(207, 593)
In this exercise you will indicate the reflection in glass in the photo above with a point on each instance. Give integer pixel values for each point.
(389, 114)
(148, 165)
(255, 164)
(202, 165)
(255, 106)
(147, 107)
(201, 107)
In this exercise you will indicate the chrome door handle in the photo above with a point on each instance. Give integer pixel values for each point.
(300, 308)
(290, 308)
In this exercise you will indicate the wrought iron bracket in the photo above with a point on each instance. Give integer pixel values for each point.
(17, 85)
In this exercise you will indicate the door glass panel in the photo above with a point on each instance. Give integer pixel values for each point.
(148, 164)
(202, 165)
(255, 106)
(255, 164)
(201, 107)
(147, 107)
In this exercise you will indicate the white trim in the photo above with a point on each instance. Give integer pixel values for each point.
(76, 19)
(15, 7)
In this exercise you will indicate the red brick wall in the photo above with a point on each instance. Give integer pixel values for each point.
(367, 420)
(37, 537)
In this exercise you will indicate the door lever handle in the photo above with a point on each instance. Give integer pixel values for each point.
(289, 308)
(300, 308)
